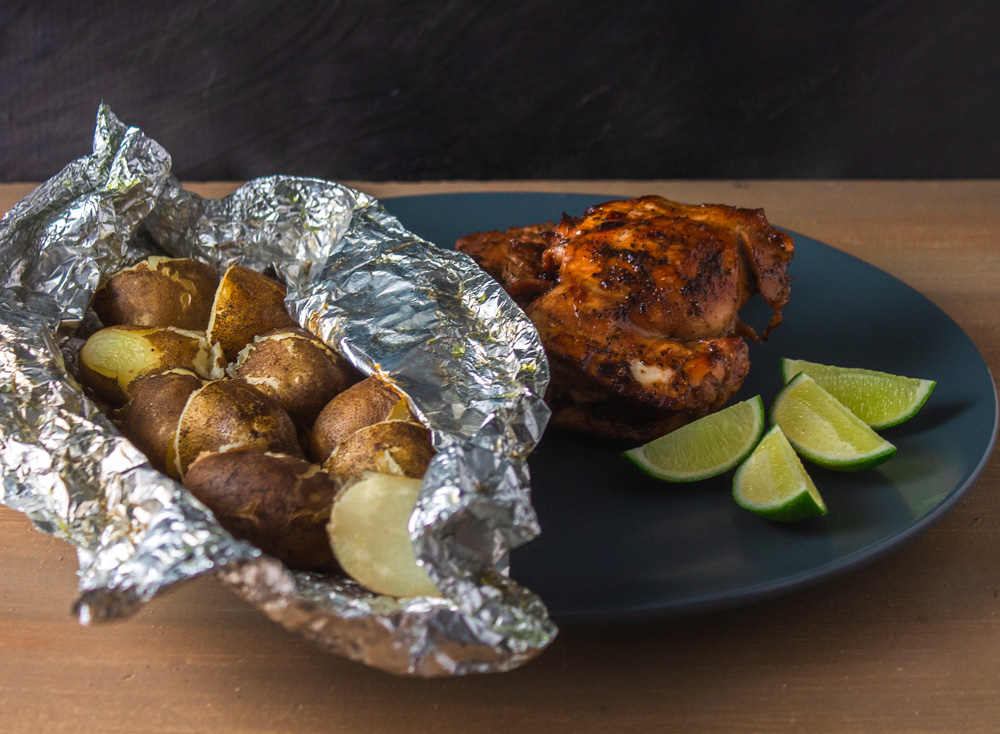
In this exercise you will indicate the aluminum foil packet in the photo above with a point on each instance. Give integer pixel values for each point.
(428, 319)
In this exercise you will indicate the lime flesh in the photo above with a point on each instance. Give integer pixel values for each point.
(879, 399)
(705, 448)
(773, 483)
(824, 431)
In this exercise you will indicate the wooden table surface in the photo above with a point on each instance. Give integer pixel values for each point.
(910, 643)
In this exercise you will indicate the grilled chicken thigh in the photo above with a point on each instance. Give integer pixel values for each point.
(637, 303)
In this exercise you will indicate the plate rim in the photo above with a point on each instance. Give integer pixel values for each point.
(800, 580)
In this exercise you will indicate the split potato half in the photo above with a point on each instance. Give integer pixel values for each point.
(247, 304)
(150, 418)
(279, 503)
(363, 404)
(114, 358)
(296, 369)
(369, 533)
(391, 447)
(228, 415)
(159, 291)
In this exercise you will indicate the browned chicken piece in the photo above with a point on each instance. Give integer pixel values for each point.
(514, 258)
(637, 303)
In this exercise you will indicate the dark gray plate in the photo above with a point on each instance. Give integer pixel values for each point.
(617, 545)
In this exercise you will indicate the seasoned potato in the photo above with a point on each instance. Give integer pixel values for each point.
(159, 291)
(114, 358)
(279, 503)
(228, 415)
(296, 369)
(247, 304)
(150, 418)
(390, 447)
(370, 401)
(370, 539)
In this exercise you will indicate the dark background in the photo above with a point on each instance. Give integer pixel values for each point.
(393, 90)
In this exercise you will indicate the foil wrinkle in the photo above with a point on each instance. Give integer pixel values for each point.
(425, 318)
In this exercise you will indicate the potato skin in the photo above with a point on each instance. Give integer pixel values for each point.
(114, 359)
(368, 450)
(279, 503)
(363, 404)
(247, 304)
(296, 369)
(228, 415)
(159, 291)
(150, 418)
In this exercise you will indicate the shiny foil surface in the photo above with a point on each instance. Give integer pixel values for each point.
(425, 318)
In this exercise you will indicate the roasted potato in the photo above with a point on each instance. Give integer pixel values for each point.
(390, 447)
(229, 415)
(159, 291)
(367, 402)
(370, 537)
(279, 503)
(247, 304)
(296, 369)
(114, 358)
(150, 418)
(172, 325)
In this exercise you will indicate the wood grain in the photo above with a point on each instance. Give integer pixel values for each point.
(907, 644)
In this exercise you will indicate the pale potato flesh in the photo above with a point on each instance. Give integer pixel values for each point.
(370, 536)
(113, 358)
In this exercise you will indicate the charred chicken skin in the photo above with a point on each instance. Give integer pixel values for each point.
(637, 303)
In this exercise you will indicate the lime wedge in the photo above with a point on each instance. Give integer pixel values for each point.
(879, 399)
(705, 448)
(822, 430)
(773, 483)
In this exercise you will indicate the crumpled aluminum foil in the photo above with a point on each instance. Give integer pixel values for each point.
(426, 318)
